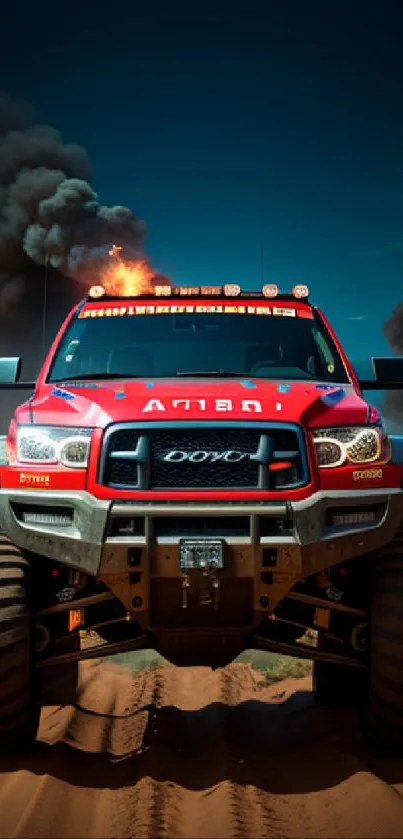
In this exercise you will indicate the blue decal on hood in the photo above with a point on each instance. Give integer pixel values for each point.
(62, 394)
(283, 388)
(324, 387)
(331, 399)
(120, 394)
(247, 383)
(150, 384)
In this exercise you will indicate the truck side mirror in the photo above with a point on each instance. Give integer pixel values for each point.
(10, 370)
(388, 369)
(388, 374)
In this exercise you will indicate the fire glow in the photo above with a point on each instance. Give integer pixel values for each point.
(124, 278)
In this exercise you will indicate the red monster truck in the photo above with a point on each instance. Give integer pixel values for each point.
(198, 472)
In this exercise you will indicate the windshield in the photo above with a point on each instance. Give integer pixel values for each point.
(172, 344)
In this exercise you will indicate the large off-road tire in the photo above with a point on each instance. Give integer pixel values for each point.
(19, 705)
(384, 723)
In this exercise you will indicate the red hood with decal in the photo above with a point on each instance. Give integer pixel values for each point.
(97, 404)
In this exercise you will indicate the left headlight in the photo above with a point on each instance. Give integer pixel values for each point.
(50, 444)
(351, 444)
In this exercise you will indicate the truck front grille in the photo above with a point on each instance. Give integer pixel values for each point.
(152, 456)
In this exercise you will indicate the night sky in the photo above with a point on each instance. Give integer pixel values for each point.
(236, 133)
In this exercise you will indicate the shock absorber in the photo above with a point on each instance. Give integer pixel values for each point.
(185, 590)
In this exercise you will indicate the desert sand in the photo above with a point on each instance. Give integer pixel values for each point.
(177, 753)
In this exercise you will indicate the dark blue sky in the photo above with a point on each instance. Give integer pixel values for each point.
(279, 123)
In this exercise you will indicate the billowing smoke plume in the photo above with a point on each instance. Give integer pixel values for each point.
(48, 210)
(393, 332)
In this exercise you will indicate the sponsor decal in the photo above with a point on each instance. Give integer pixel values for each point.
(131, 310)
(284, 388)
(220, 405)
(30, 479)
(367, 474)
(247, 383)
(62, 394)
(175, 309)
(284, 312)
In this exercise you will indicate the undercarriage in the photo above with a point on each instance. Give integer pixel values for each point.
(200, 583)
(323, 617)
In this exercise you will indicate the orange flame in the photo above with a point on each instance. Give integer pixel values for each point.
(128, 279)
(115, 249)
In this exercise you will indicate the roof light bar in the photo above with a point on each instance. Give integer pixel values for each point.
(232, 290)
(270, 290)
(300, 291)
(162, 290)
(96, 291)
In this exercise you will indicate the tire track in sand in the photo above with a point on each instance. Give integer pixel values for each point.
(175, 753)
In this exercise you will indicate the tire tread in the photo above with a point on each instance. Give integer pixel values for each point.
(19, 709)
(384, 725)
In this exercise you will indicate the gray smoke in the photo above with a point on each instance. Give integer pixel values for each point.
(48, 209)
(11, 289)
(393, 330)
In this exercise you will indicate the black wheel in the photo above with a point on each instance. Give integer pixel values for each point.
(19, 705)
(384, 723)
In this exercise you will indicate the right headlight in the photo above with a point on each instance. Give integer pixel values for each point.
(351, 444)
(45, 444)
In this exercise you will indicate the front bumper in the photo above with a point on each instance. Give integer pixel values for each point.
(316, 532)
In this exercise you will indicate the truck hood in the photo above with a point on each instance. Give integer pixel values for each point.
(97, 404)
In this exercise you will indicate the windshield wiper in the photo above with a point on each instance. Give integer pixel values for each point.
(191, 373)
(84, 376)
(226, 374)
